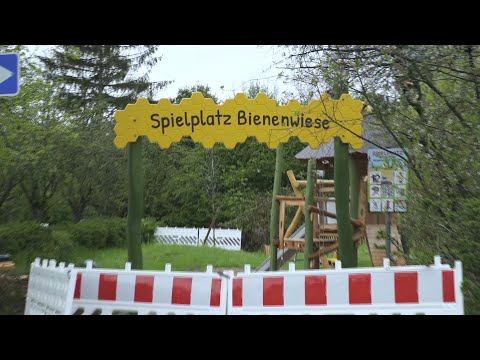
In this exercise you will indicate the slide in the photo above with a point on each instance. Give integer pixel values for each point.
(283, 255)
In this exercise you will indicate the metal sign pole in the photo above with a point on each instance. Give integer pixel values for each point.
(388, 226)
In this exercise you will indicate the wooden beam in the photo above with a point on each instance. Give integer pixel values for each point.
(324, 251)
(327, 190)
(303, 183)
(295, 221)
(292, 199)
(334, 247)
(358, 235)
(297, 200)
(324, 199)
(281, 224)
(295, 184)
(362, 201)
(355, 222)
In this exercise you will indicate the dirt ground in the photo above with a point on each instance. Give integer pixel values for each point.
(13, 292)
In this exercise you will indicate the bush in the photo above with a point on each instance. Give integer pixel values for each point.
(449, 228)
(117, 232)
(35, 240)
(98, 233)
(91, 233)
(62, 244)
(253, 217)
(59, 246)
(15, 237)
(94, 233)
(148, 230)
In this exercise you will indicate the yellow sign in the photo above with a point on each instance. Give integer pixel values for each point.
(238, 118)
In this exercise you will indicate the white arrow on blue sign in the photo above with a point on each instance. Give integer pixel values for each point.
(9, 74)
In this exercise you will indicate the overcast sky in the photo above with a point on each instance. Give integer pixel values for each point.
(230, 66)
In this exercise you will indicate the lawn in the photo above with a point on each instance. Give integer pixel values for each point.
(363, 258)
(182, 258)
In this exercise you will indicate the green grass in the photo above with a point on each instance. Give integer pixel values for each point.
(363, 258)
(182, 258)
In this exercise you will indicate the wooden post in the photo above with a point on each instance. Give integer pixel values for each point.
(308, 249)
(274, 210)
(354, 195)
(388, 240)
(135, 203)
(281, 224)
(342, 194)
(299, 213)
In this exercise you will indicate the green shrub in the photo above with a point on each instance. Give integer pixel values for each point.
(15, 237)
(148, 229)
(91, 233)
(35, 240)
(58, 246)
(63, 245)
(99, 233)
(117, 232)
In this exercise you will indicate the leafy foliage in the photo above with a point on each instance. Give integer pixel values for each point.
(427, 99)
(35, 240)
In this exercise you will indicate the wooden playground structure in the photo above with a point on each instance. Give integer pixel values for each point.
(323, 216)
(325, 232)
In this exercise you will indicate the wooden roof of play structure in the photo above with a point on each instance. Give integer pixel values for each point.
(372, 130)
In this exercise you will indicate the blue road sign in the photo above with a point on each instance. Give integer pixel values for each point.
(9, 74)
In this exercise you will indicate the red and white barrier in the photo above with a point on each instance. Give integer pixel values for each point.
(149, 292)
(399, 290)
(434, 289)
(50, 288)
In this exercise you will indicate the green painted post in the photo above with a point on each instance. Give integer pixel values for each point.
(354, 184)
(308, 249)
(342, 195)
(353, 173)
(277, 181)
(135, 203)
(388, 240)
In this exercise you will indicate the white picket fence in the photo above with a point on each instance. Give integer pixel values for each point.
(408, 290)
(229, 239)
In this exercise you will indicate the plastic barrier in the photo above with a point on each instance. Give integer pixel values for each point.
(434, 289)
(50, 288)
(104, 291)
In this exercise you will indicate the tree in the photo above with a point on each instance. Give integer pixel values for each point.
(32, 138)
(92, 81)
(427, 98)
(182, 177)
(99, 79)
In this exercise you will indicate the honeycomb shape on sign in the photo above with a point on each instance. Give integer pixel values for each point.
(236, 119)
